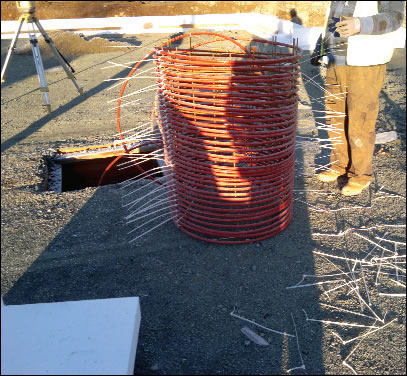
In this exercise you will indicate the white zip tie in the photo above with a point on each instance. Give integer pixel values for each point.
(160, 224)
(130, 130)
(137, 201)
(390, 241)
(315, 284)
(371, 241)
(339, 287)
(398, 282)
(363, 335)
(364, 281)
(298, 347)
(349, 366)
(376, 245)
(319, 209)
(260, 326)
(151, 220)
(326, 169)
(142, 90)
(135, 179)
(345, 310)
(153, 212)
(340, 323)
(367, 305)
(342, 258)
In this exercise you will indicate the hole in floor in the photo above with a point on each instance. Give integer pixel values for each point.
(66, 173)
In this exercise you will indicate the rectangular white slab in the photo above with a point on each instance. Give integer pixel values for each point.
(263, 25)
(87, 337)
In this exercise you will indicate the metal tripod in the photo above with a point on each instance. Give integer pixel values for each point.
(33, 21)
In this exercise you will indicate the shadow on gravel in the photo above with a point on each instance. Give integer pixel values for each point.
(38, 124)
(397, 115)
(187, 288)
(21, 64)
(314, 85)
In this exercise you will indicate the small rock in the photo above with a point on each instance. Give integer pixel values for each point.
(154, 367)
(253, 336)
(54, 69)
(247, 343)
(383, 137)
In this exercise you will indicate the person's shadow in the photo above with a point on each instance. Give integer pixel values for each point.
(314, 85)
(274, 263)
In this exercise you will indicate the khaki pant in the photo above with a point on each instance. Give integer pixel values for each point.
(352, 106)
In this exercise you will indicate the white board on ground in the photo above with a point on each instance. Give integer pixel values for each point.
(87, 337)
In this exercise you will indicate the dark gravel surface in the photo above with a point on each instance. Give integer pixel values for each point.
(75, 245)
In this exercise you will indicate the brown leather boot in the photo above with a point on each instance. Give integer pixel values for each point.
(328, 176)
(354, 189)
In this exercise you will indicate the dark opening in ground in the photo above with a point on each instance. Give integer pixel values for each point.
(73, 174)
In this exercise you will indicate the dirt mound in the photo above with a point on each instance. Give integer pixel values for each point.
(69, 43)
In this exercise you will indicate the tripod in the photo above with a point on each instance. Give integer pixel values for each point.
(27, 11)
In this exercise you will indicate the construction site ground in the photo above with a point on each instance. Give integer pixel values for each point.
(76, 245)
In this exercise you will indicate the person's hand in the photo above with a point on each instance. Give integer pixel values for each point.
(348, 26)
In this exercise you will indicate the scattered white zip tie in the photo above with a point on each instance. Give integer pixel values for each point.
(398, 283)
(349, 366)
(344, 285)
(371, 241)
(374, 259)
(314, 284)
(345, 363)
(318, 276)
(155, 211)
(364, 281)
(342, 233)
(376, 245)
(142, 90)
(151, 229)
(367, 305)
(260, 326)
(345, 310)
(114, 65)
(341, 258)
(340, 323)
(363, 335)
(298, 346)
(327, 210)
(145, 223)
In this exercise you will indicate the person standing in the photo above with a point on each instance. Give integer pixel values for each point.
(294, 17)
(359, 41)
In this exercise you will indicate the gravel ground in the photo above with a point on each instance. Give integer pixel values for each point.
(75, 245)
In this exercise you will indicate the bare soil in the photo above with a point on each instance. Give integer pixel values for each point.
(75, 245)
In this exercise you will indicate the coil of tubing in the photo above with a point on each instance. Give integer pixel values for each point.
(228, 122)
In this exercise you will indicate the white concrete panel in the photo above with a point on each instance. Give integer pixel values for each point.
(262, 25)
(88, 337)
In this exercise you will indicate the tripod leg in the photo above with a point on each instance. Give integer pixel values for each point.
(38, 65)
(11, 48)
(58, 55)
